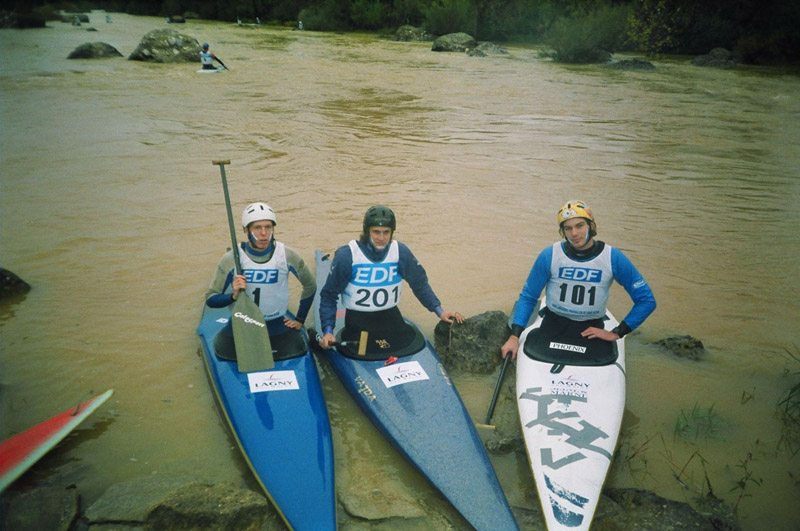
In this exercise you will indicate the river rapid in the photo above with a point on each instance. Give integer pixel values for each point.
(112, 210)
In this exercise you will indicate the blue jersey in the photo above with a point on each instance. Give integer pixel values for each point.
(588, 274)
(341, 275)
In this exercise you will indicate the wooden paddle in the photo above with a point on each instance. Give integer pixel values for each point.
(250, 335)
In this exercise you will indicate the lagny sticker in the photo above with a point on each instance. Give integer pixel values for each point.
(402, 373)
(272, 381)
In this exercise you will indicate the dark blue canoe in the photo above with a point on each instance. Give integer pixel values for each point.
(413, 402)
(279, 420)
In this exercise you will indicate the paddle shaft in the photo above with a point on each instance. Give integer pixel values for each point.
(221, 164)
(497, 389)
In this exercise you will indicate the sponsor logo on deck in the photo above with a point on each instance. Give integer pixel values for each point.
(365, 389)
(569, 387)
(261, 382)
(564, 346)
(402, 373)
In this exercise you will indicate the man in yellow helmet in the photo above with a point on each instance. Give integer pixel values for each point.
(576, 275)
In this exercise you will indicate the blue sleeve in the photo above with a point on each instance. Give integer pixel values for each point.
(413, 273)
(644, 302)
(338, 278)
(537, 278)
(221, 300)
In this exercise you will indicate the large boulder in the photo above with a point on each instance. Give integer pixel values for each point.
(716, 58)
(94, 50)
(686, 347)
(167, 46)
(11, 284)
(474, 345)
(632, 64)
(50, 507)
(454, 42)
(486, 48)
(410, 33)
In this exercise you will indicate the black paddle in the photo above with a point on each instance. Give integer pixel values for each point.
(220, 62)
(250, 335)
(496, 393)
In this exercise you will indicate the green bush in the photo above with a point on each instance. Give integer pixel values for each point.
(327, 16)
(588, 38)
(368, 14)
(451, 16)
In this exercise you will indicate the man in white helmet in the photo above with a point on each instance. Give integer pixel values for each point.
(266, 264)
(576, 274)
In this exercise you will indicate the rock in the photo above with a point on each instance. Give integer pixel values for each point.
(488, 48)
(716, 58)
(379, 505)
(167, 46)
(52, 508)
(474, 345)
(632, 64)
(11, 284)
(202, 506)
(641, 509)
(683, 347)
(454, 42)
(129, 501)
(94, 50)
(72, 17)
(410, 33)
(176, 19)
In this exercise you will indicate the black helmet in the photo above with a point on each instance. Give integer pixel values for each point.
(379, 216)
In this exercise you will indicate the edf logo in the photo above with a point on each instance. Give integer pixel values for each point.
(261, 276)
(581, 274)
(375, 275)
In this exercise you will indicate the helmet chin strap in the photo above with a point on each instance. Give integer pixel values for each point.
(254, 240)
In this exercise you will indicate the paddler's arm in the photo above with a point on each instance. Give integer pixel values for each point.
(219, 292)
(299, 269)
(338, 278)
(644, 302)
(528, 298)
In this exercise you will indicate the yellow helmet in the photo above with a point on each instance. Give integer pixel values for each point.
(574, 209)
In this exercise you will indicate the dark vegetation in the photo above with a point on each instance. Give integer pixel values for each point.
(757, 31)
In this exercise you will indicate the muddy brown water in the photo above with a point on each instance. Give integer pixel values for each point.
(112, 210)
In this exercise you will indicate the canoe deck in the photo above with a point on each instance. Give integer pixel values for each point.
(415, 405)
(571, 417)
(280, 422)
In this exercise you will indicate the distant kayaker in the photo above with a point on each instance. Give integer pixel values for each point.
(266, 264)
(368, 272)
(207, 58)
(576, 275)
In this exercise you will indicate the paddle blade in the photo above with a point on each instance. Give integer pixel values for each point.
(250, 336)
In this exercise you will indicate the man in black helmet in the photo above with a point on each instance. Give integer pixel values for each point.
(368, 273)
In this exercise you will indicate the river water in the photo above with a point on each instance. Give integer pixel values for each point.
(112, 210)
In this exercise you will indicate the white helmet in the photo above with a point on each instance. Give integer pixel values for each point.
(257, 212)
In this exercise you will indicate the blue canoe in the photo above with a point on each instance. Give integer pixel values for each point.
(279, 420)
(415, 405)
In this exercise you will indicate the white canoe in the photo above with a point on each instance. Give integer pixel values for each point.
(571, 417)
(214, 70)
